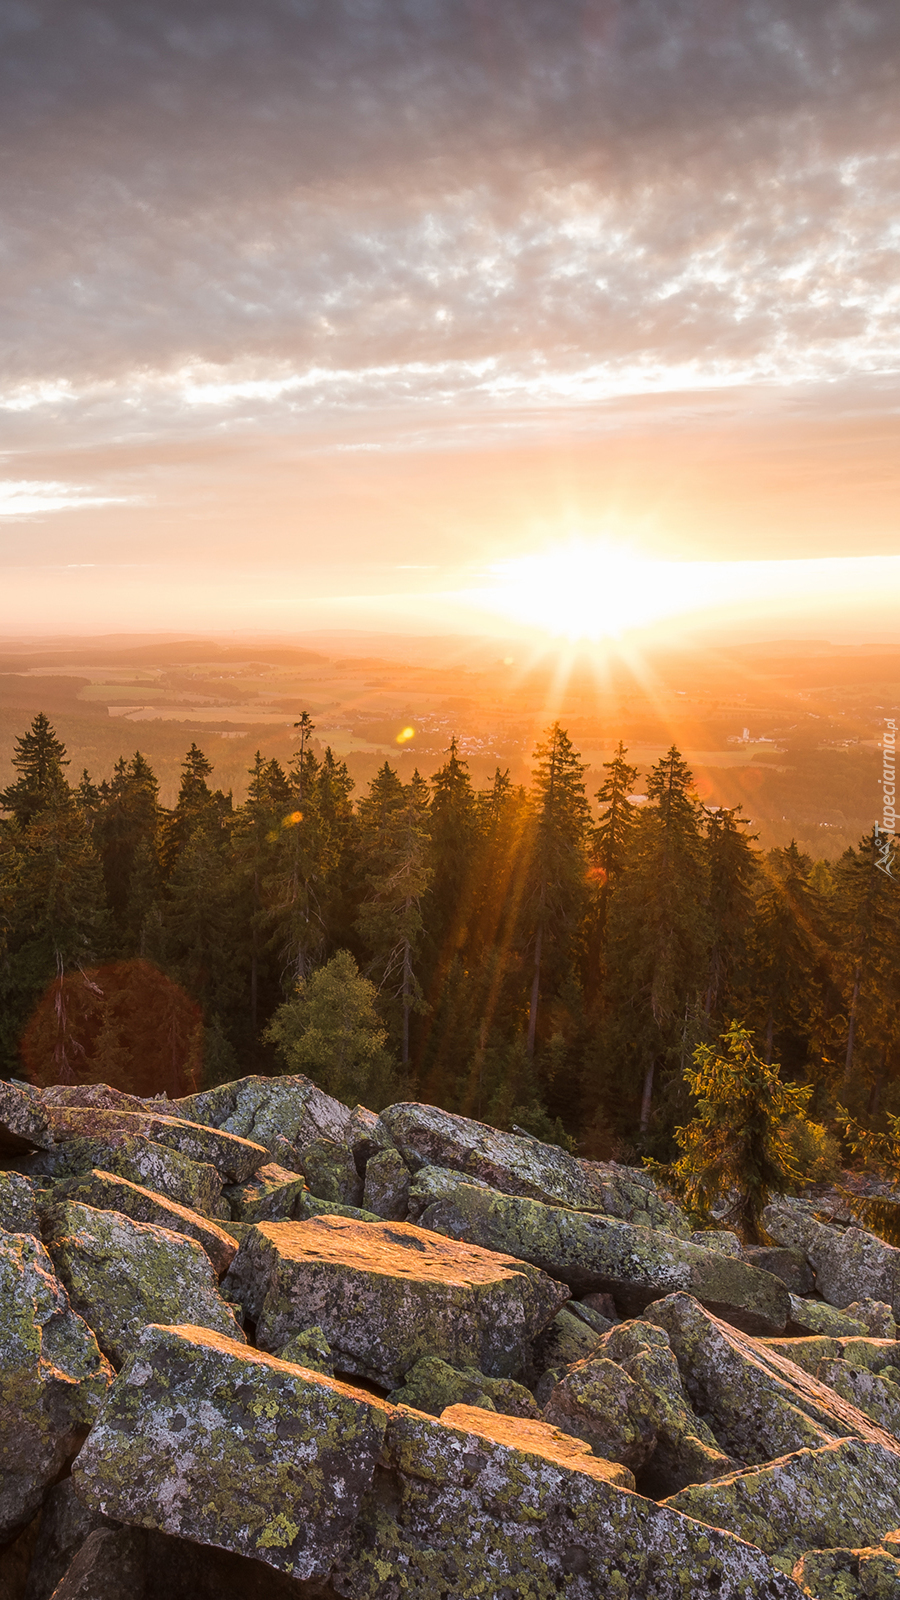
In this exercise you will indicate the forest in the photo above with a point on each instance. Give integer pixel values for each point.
(510, 952)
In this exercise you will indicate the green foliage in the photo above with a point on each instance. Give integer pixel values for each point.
(39, 760)
(880, 1150)
(816, 1151)
(739, 1148)
(330, 1030)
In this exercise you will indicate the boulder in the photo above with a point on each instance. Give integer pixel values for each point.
(121, 1274)
(517, 1164)
(271, 1195)
(365, 1136)
(143, 1564)
(686, 1449)
(18, 1211)
(236, 1159)
(598, 1402)
(211, 1441)
(847, 1574)
(727, 1244)
(284, 1114)
(431, 1386)
(878, 1397)
(593, 1319)
(195, 1184)
(386, 1189)
(387, 1293)
(111, 1564)
(52, 1379)
(847, 1493)
(481, 1504)
(589, 1252)
(436, 1183)
(849, 1264)
(568, 1338)
(817, 1316)
(99, 1095)
(107, 1192)
(758, 1404)
(23, 1122)
(876, 1317)
(330, 1172)
(791, 1266)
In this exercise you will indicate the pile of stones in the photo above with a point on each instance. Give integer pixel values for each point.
(256, 1345)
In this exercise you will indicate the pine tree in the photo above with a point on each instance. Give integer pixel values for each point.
(867, 924)
(658, 935)
(39, 760)
(558, 866)
(127, 829)
(786, 952)
(330, 1030)
(394, 843)
(610, 844)
(731, 875)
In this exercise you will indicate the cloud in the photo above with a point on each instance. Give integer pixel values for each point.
(27, 499)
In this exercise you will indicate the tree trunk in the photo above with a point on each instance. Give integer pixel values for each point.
(407, 990)
(647, 1096)
(535, 989)
(851, 1030)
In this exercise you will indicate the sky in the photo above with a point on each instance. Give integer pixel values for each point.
(416, 314)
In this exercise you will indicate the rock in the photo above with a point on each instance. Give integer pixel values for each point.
(18, 1211)
(387, 1293)
(23, 1122)
(727, 1244)
(516, 1164)
(195, 1184)
(878, 1397)
(588, 1252)
(565, 1340)
(828, 1574)
(284, 1114)
(365, 1136)
(99, 1095)
(791, 1266)
(594, 1319)
(597, 1402)
(602, 1303)
(271, 1195)
(846, 1493)
(436, 1183)
(15, 1561)
(143, 1564)
(431, 1386)
(686, 1451)
(211, 1441)
(309, 1349)
(875, 1316)
(480, 1504)
(758, 1404)
(236, 1159)
(849, 1265)
(65, 1523)
(879, 1574)
(52, 1379)
(107, 1192)
(805, 1352)
(120, 1275)
(817, 1316)
(386, 1189)
(330, 1172)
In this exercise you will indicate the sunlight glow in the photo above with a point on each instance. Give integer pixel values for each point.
(598, 590)
(405, 735)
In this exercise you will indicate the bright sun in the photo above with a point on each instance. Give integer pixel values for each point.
(589, 591)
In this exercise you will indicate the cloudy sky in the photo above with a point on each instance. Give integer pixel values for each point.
(317, 312)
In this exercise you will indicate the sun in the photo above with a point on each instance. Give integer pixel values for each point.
(587, 590)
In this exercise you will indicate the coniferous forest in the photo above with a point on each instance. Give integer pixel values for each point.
(515, 954)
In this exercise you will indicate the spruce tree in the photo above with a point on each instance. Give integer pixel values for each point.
(394, 842)
(558, 863)
(39, 759)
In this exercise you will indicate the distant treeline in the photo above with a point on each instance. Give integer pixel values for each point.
(533, 967)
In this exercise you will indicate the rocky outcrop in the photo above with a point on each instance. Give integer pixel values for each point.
(24, 1124)
(849, 1264)
(386, 1294)
(121, 1275)
(636, 1265)
(674, 1431)
(53, 1379)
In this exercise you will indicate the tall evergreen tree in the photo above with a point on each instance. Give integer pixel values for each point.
(558, 866)
(394, 842)
(610, 843)
(866, 917)
(731, 874)
(39, 759)
(786, 952)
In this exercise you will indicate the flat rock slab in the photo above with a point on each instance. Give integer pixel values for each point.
(757, 1402)
(105, 1191)
(637, 1265)
(517, 1165)
(121, 1274)
(23, 1122)
(211, 1441)
(842, 1494)
(285, 1114)
(53, 1379)
(236, 1159)
(387, 1293)
(195, 1184)
(495, 1506)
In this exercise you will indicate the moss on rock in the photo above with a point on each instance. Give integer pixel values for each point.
(105, 1191)
(121, 1275)
(432, 1385)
